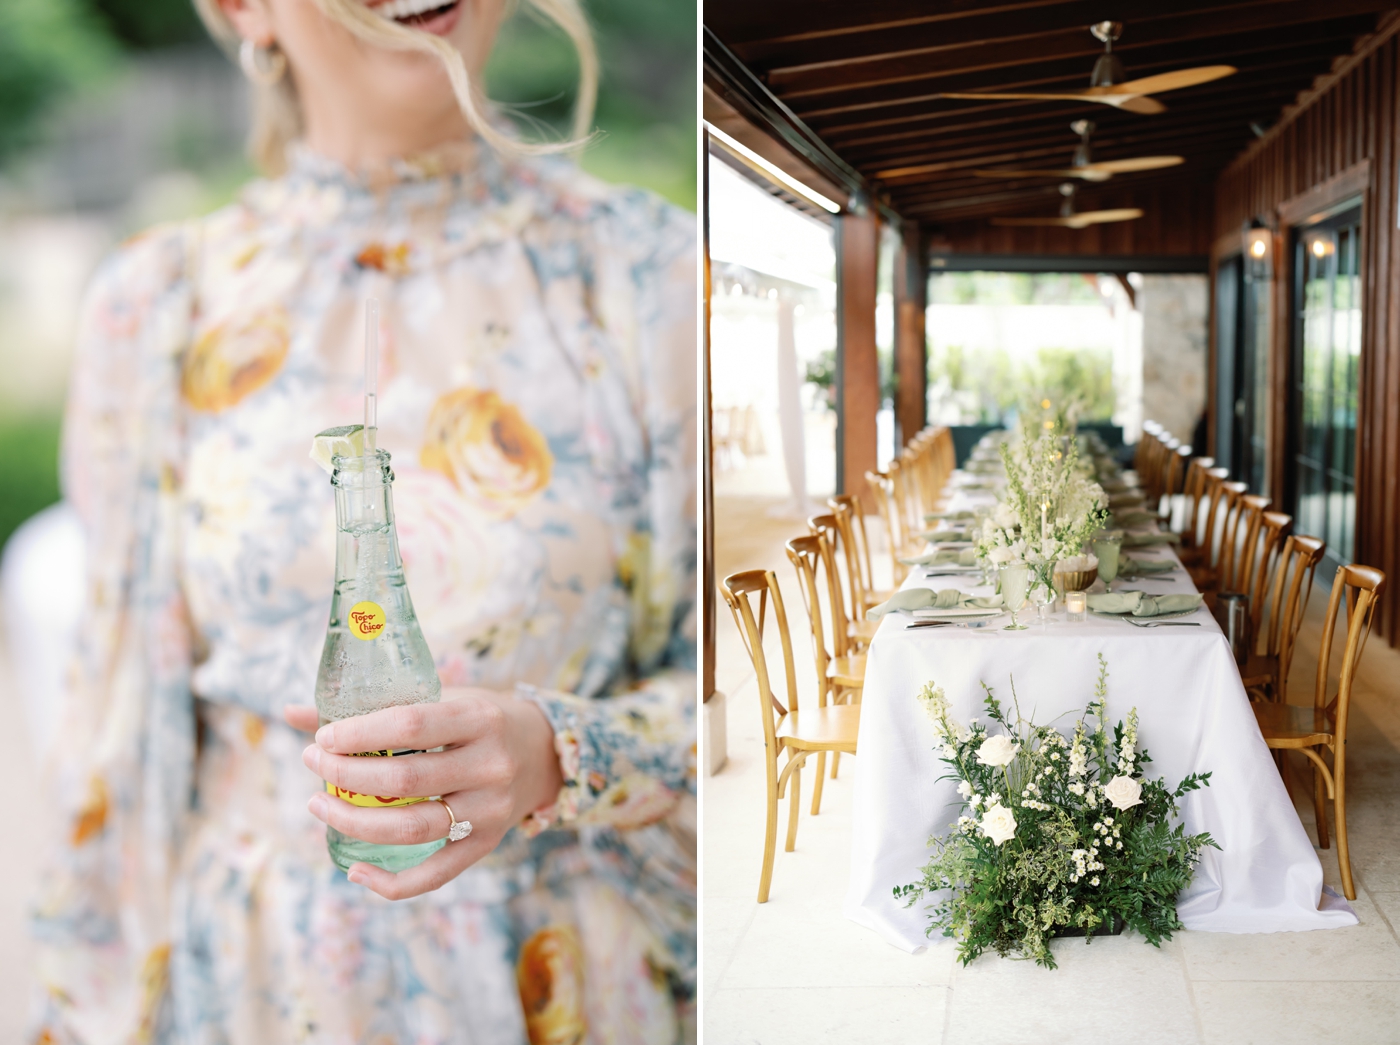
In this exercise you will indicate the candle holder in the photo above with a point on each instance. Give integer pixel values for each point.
(1076, 602)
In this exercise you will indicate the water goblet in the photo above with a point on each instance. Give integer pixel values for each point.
(1014, 582)
(1106, 549)
(1042, 597)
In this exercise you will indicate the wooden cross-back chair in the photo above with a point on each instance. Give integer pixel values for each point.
(1193, 489)
(1212, 492)
(1238, 574)
(1265, 672)
(1233, 530)
(851, 631)
(880, 488)
(786, 728)
(1274, 529)
(1219, 535)
(860, 567)
(1173, 464)
(1322, 729)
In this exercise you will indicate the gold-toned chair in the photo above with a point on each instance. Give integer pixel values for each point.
(1193, 490)
(787, 729)
(1202, 551)
(1265, 674)
(881, 488)
(1221, 534)
(847, 618)
(840, 673)
(1274, 531)
(1322, 728)
(850, 525)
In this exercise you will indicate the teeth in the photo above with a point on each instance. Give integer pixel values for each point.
(407, 8)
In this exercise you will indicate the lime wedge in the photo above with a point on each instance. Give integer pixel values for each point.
(345, 441)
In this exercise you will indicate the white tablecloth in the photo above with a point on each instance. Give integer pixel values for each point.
(1194, 716)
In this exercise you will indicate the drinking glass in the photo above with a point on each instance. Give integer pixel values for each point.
(1014, 582)
(1107, 549)
(1042, 594)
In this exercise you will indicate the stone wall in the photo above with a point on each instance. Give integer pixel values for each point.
(1174, 316)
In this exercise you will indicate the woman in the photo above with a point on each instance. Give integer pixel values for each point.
(537, 393)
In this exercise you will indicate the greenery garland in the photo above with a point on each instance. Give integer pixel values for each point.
(1057, 834)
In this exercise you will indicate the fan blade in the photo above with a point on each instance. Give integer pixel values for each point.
(1141, 104)
(1138, 163)
(1076, 221)
(1090, 173)
(1023, 96)
(1173, 81)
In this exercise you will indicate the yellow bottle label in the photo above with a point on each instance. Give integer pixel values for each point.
(366, 620)
(373, 801)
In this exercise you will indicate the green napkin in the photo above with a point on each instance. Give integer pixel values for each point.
(945, 557)
(1126, 500)
(928, 599)
(945, 534)
(1131, 566)
(1143, 540)
(1117, 486)
(962, 516)
(1131, 517)
(1140, 605)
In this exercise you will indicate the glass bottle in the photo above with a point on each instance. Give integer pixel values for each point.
(375, 656)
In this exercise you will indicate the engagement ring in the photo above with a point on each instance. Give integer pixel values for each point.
(460, 828)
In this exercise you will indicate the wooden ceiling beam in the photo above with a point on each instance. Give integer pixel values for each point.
(775, 21)
(1241, 51)
(990, 28)
(1296, 22)
(912, 121)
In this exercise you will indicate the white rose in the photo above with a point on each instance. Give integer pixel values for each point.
(1000, 556)
(1124, 792)
(1004, 516)
(997, 751)
(998, 824)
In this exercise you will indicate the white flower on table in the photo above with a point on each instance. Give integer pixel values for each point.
(965, 789)
(1123, 792)
(998, 823)
(1005, 516)
(1000, 555)
(997, 751)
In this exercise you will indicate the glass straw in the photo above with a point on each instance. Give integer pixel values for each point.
(371, 375)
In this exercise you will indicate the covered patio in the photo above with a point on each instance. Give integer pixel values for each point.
(1277, 210)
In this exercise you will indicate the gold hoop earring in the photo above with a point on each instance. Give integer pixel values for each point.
(263, 65)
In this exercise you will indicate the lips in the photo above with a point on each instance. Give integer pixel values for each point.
(429, 16)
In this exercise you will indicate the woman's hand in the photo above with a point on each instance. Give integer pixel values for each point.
(497, 766)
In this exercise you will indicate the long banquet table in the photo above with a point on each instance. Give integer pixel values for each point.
(1194, 716)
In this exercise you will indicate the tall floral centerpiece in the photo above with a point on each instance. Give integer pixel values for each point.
(1057, 835)
(1050, 507)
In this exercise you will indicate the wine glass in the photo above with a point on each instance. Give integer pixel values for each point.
(1107, 549)
(1014, 581)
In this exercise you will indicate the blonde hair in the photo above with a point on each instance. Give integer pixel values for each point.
(277, 117)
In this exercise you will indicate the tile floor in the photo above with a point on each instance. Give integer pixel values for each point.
(795, 970)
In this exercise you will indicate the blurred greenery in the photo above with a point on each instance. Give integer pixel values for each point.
(28, 469)
(1013, 288)
(986, 387)
(147, 24)
(47, 48)
(646, 100)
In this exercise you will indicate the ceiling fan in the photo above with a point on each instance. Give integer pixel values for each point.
(1107, 84)
(1081, 166)
(1070, 219)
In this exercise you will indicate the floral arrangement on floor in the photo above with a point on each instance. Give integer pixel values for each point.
(1058, 835)
(1051, 506)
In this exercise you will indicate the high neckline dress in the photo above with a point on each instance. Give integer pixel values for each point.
(537, 393)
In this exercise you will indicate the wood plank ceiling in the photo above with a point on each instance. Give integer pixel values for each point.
(868, 77)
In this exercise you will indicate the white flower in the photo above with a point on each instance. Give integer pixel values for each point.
(1000, 556)
(1004, 516)
(1094, 880)
(997, 751)
(965, 789)
(1123, 791)
(998, 823)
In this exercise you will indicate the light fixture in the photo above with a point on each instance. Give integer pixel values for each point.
(1258, 253)
(1322, 246)
(772, 170)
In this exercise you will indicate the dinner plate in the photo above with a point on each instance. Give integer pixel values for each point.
(959, 613)
(1159, 616)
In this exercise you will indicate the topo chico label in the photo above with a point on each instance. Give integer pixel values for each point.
(366, 620)
(374, 801)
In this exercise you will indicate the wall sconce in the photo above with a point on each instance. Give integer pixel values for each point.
(1321, 246)
(1259, 254)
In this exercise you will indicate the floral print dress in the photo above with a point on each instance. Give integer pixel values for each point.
(537, 393)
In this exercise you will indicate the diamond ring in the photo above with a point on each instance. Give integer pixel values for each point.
(460, 828)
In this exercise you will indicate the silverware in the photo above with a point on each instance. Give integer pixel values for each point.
(928, 624)
(1163, 623)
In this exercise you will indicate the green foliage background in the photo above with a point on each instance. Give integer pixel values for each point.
(54, 49)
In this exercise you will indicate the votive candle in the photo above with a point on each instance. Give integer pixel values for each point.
(1075, 604)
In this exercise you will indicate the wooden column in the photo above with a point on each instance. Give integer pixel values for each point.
(910, 344)
(857, 366)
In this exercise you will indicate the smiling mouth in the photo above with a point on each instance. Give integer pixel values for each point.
(416, 14)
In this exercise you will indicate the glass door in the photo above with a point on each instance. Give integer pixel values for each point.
(1326, 362)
